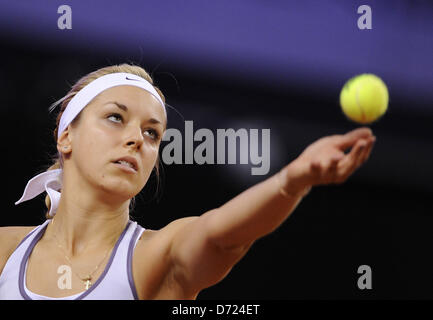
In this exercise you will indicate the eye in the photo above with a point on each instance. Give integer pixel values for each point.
(154, 133)
(116, 116)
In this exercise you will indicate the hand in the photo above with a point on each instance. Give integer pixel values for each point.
(324, 161)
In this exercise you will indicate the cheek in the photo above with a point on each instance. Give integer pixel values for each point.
(149, 162)
(93, 149)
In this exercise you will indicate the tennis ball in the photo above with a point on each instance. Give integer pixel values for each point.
(364, 98)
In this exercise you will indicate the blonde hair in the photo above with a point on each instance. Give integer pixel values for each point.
(80, 84)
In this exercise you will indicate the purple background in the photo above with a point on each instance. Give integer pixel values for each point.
(294, 43)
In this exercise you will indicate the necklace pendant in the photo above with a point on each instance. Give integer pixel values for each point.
(88, 283)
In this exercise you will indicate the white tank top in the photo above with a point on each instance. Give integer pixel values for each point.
(115, 282)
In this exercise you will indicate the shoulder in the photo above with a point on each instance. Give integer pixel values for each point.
(174, 226)
(158, 243)
(10, 238)
(163, 237)
(153, 277)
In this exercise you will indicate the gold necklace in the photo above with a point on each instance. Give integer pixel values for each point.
(87, 279)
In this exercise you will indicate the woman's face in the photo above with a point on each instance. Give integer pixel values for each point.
(123, 121)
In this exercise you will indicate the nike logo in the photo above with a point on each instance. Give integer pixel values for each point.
(133, 79)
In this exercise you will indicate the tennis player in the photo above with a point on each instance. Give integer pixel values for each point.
(108, 133)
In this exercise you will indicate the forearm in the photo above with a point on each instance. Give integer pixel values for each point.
(255, 212)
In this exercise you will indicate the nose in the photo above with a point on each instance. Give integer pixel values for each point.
(134, 137)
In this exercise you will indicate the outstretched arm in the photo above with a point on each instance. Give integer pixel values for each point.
(205, 249)
(262, 208)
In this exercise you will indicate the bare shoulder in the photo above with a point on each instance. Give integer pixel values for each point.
(174, 226)
(13, 235)
(153, 277)
(162, 238)
(10, 238)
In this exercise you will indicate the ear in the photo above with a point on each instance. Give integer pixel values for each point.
(64, 142)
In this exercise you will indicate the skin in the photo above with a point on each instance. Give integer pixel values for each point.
(189, 254)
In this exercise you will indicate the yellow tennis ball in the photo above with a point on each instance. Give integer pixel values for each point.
(364, 98)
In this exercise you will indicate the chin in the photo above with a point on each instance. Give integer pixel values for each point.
(121, 189)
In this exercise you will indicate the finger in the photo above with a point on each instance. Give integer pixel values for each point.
(356, 151)
(334, 160)
(349, 139)
(366, 154)
(333, 168)
(316, 167)
(351, 161)
(361, 158)
(316, 170)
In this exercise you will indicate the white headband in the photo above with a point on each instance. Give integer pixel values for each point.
(89, 92)
(51, 181)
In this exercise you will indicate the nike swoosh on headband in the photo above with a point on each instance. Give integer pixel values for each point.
(133, 79)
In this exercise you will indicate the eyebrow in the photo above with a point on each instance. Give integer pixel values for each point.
(125, 108)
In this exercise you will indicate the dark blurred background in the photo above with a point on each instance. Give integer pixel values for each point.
(277, 65)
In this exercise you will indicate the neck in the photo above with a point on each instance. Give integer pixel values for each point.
(90, 217)
(80, 226)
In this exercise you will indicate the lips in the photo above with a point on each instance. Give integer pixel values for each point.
(128, 162)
